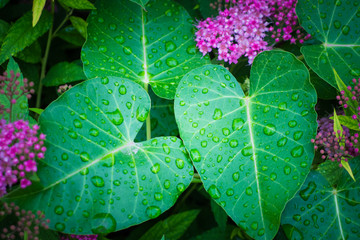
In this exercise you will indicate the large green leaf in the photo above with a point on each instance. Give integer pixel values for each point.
(155, 46)
(95, 178)
(323, 211)
(20, 108)
(22, 34)
(336, 24)
(252, 153)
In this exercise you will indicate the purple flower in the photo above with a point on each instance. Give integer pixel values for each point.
(19, 147)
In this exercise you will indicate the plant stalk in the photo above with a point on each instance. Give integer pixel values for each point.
(148, 119)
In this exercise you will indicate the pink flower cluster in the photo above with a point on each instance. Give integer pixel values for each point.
(351, 101)
(241, 29)
(286, 26)
(63, 88)
(79, 237)
(28, 223)
(237, 31)
(9, 87)
(327, 142)
(19, 146)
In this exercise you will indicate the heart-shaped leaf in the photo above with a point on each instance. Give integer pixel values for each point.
(252, 152)
(323, 211)
(95, 178)
(153, 47)
(336, 24)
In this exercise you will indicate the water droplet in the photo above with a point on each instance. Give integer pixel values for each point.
(306, 193)
(191, 50)
(171, 62)
(233, 143)
(158, 196)
(249, 191)
(282, 142)
(119, 39)
(77, 123)
(127, 50)
(345, 29)
(297, 151)
(179, 163)
(142, 113)
(337, 24)
(94, 132)
(287, 170)
(103, 223)
(100, 20)
(155, 168)
(273, 176)
(153, 211)
(64, 156)
(60, 226)
(116, 117)
(170, 46)
(97, 181)
(214, 192)
(269, 129)
(297, 217)
(84, 171)
(84, 156)
(102, 49)
(122, 90)
(237, 124)
(236, 176)
(180, 187)
(195, 155)
(226, 131)
(217, 114)
(298, 135)
(292, 123)
(230, 192)
(59, 210)
(247, 151)
(282, 106)
(254, 225)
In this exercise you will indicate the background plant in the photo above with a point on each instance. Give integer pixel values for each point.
(155, 140)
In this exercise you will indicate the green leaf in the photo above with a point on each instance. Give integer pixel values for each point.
(4, 27)
(173, 227)
(80, 25)
(323, 89)
(322, 211)
(252, 153)
(335, 24)
(155, 46)
(38, 6)
(37, 110)
(163, 121)
(78, 4)
(216, 234)
(142, 3)
(95, 178)
(3, 3)
(71, 35)
(22, 34)
(20, 108)
(219, 215)
(331, 171)
(64, 72)
(31, 54)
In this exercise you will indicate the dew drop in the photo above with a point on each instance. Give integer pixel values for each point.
(158, 196)
(179, 163)
(236, 176)
(142, 113)
(287, 170)
(94, 132)
(269, 129)
(217, 114)
(97, 181)
(273, 176)
(155, 168)
(233, 143)
(84, 156)
(292, 123)
(127, 50)
(298, 135)
(282, 106)
(170, 46)
(237, 124)
(77, 123)
(180, 187)
(103, 223)
(116, 117)
(214, 192)
(122, 90)
(153, 211)
(102, 49)
(60, 227)
(171, 62)
(59, 210)
(64, 156)
(297, 151)
(247, 151)
(345, 29)
(195, 155)
(119, 39)
(282, 142)
(249, 191)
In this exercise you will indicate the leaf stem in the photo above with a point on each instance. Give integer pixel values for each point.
(45, 58)
(148, 119)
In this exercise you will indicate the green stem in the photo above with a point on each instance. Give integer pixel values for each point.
(44, 60)
(196, 178)
(148, 119)
(301, 57)
(63, 22)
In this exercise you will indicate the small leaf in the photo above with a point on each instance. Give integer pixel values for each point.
(71, 35)
(172, 227)
(322, 211)
(64, 72)
(251, 152)
(22, 34)
(348, 169)
(157, 49)
(142, 3)
(36, 110)
(335, 24)
(80, 25)
(349, 122)
(78, 4)
(20, 108)
(94, 176)
(38, 6)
